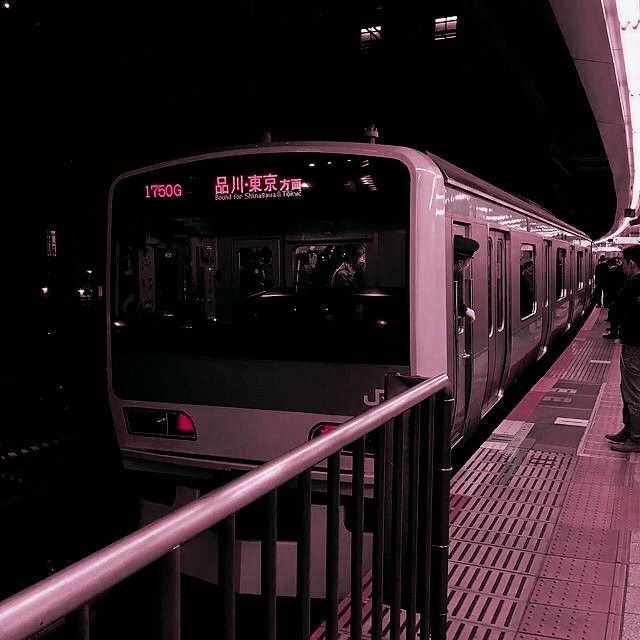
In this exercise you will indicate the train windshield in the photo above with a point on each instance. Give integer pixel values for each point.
(296, 255)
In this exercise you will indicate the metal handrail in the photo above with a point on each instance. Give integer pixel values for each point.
(36, 607)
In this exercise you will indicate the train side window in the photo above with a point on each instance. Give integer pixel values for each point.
(561, 276)
(580, 270)
(527, 280)
(489, 286)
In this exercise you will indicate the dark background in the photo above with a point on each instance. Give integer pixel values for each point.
(92, 89)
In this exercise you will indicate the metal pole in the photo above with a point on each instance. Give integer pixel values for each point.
(440, 532)
(170, 595)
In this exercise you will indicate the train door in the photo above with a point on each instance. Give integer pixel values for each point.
(464, 341)
(572, 282)
(496, 315)
(546, 308)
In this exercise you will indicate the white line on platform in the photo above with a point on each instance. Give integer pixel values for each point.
(573, 422)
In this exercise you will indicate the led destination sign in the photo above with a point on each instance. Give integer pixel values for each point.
(250, 187)
(162, 191)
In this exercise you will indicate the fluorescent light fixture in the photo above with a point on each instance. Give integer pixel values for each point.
(623, 25)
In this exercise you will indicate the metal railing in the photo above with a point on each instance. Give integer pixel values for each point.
(410, 531)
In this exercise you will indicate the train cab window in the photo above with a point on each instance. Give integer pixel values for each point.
(580, 270)
(561, 273)
(527, 280)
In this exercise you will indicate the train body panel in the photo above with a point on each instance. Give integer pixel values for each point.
(259, 295)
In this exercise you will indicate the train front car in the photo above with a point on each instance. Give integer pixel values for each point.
(257, 296)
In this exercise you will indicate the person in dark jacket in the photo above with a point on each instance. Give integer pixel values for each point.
(625, 311)
(600, 274)
(614, 282)
(614, 279)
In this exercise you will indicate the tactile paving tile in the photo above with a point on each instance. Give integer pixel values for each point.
(573, 595)
(576, 542)
(489, 581)
(581, 368)
(610, 472)
(567, 624)
(481, 608)
(593, 497)
(579, 570)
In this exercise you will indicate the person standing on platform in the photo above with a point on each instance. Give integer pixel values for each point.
(601, 272)
(625, 311)
(615, 280)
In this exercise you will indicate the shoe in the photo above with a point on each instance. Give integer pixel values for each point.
(609, 336)
(620, 436)
(628, 446)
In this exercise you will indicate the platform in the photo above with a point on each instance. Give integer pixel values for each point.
(545, 518)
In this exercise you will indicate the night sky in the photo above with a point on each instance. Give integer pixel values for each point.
(93, 89)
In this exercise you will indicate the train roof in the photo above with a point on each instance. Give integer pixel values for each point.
(458, 177)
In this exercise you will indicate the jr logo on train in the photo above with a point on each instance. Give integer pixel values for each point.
(256, 293)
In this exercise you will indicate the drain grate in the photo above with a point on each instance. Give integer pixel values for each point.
(484, 609)
(565, 624)
(513, 526)
(495, 557)
(510, 494)
(459, 630)
(499, 539)
(511, 509)
(489, 581)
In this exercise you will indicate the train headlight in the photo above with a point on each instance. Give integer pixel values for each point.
(159, 422)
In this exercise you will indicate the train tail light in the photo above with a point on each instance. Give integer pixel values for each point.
(160, 422)
(322, 429)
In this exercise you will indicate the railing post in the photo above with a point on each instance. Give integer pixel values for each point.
(303, 569)
(170, 595)
(226, 575)
(269, 543)
(440, 531)
(79, 621)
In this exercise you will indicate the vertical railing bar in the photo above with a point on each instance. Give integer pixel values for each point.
(440, 518)
(171, 594)
(226, 567)
(332, 547)
(425, 522)
(397, 522)
(356, 540)
(303, 571)
(412, 520)
(268, 565)
(79, 622)
(377, 570)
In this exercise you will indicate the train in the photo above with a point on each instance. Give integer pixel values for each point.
(258, 295)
